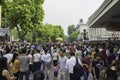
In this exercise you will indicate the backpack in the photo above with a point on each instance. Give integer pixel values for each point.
(77, 69)
(39, 75)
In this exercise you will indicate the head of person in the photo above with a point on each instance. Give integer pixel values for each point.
(14, 51)
(62, 52)
(72, 53)
(38, 51)
(23, 51)
(30, 51)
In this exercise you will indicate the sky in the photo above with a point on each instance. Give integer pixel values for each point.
(68, 12)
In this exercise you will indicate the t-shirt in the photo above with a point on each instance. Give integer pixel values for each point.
(55, 56)
(37, 57)
(30, 58)
(9, 57)
(24, 63)
(70, 63)
(62, 62)
(47, 57)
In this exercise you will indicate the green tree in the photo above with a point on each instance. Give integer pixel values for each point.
(36, 18)
(25, 15)
(50, 32)
(71, 29)
(73, 36)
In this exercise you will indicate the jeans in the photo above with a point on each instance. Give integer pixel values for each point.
(85, 75)
(26, 73)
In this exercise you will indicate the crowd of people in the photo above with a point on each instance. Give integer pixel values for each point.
(99, 60)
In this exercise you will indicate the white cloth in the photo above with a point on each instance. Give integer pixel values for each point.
(118, 51)
(55, 56)
(37, 57)
(107, 52)
(62, 62)
(9, 57)
(47, 57)
(71, 62)
(43, 57)
(30, 57)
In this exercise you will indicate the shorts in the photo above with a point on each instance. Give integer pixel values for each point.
(48, 64)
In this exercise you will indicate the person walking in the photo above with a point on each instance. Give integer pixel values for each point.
(62, 72)
(36, 60)
(70, 65)
(24, 65)
(47, 60)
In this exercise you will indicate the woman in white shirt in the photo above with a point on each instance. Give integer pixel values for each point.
(47, 60)
(36, 60)
(55, 58)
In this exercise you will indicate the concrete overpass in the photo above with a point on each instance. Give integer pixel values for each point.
(107, 15)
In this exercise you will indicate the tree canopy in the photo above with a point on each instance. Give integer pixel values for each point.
(72, 33)
(73, 37)
(50, 32)
(71, 29)
(24, 15)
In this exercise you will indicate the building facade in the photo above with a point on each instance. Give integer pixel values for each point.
(94, 34)
(101, 34)
(82, 27)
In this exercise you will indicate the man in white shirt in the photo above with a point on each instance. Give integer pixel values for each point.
(62, 72)
(70, 64)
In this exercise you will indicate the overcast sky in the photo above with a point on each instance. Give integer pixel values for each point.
(67, 12)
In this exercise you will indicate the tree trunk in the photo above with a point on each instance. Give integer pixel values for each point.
(34, 37)
(21, 36)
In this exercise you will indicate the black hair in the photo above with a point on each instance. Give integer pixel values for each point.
(72, 53)
(23, 50)
(38, 51)
(14, 57)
